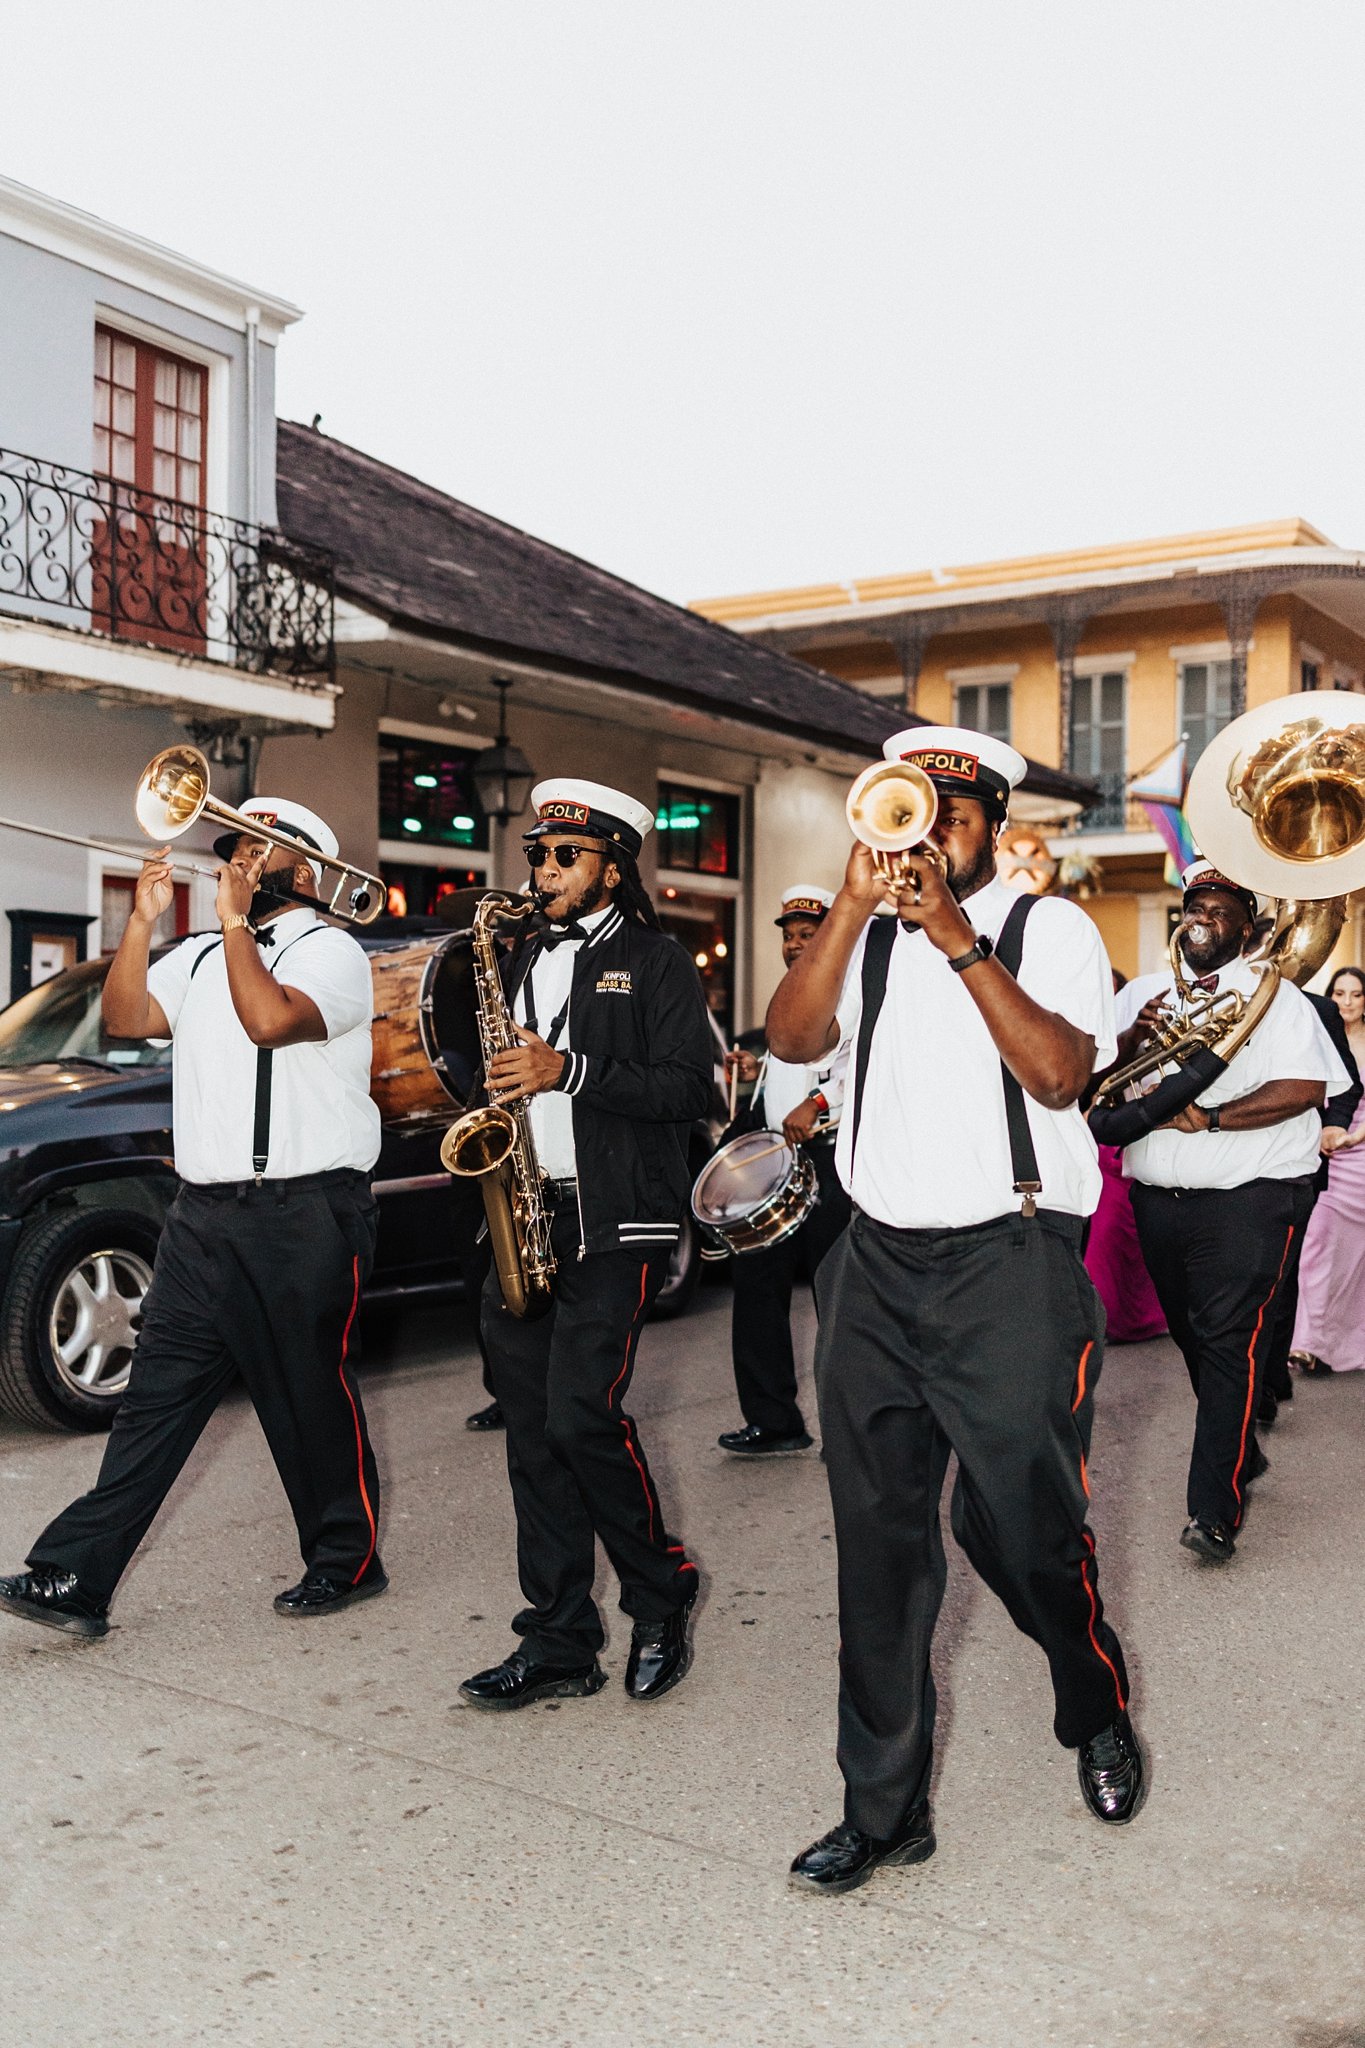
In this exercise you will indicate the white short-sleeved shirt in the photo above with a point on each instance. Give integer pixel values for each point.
(321, 1115)
(933, 1145)
(1289, 1044)
(784, 1087)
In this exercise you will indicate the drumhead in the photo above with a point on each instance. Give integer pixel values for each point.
(448, 1017)
(743, 1175)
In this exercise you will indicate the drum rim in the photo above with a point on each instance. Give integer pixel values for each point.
(794, 1164)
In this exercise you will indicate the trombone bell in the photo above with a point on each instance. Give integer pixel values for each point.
(172, 792)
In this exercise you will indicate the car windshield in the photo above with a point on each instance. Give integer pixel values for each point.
(60, 1020)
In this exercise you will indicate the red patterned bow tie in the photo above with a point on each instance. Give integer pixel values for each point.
(1208, 982)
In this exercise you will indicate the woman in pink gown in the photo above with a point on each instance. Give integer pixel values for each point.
(1329, 1330)
(1113, 1256)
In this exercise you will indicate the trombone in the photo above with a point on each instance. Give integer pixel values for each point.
(173, 794)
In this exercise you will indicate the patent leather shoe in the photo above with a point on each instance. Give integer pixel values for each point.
(1213, 1541)
(327, 1592)
(1110, 1768)
(660, 1655)
(753, 1442)
(490, 1417)
(518, 1682)
(845, 1858)
(54, 1599)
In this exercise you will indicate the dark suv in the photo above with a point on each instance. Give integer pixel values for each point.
(86, 1177)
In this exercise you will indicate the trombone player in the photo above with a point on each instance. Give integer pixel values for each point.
(270, 1238)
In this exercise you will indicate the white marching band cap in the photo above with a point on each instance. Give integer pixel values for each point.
(567, 803)
(1202, 874)
(296, 819)
(803, 899)
(960, 762)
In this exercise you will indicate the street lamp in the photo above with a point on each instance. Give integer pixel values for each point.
(503, 776)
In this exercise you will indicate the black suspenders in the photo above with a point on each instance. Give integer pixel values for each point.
(1009, 951)
(265, 1060)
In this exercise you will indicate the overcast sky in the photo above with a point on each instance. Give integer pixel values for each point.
(734, 294)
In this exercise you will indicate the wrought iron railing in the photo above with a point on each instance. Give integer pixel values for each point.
(1116, 811)
(151, 569)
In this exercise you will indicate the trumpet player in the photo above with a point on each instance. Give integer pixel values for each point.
(955, 1313)
(1222, 1194)
(268, 1242)
(615, 1060)
(804, 1104)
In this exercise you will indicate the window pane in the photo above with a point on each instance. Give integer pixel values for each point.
(426, 792)
(189, 437)
(163, 474)
(1196, 691)
(122, 466)
(101, 457)
(101, 353)
(163, 428)
(1221, 675)
(705, 925)
(125, 412)
(1111, 699)
(698, 830)
(165, 381)
(102, 403)
(125, 364)
(188, 485)
(997, 720)
(191, 381)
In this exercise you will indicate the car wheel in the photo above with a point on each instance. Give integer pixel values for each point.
(684, 1271)
(71, 1315)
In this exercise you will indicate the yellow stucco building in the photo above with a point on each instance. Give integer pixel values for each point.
(1096, 661)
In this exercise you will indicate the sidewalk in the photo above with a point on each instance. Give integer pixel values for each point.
(225, 1828)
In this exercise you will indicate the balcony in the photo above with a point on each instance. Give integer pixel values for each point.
(83, 550)
(1116, 811)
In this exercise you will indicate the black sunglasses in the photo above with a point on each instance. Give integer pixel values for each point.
(564, 856)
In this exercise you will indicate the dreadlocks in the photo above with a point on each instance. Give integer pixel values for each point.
(630, 894)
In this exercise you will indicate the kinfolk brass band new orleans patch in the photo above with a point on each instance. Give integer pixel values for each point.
(945, 761)
(803, 906)
(562, 810)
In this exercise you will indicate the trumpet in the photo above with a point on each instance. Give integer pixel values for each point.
(173, 794)
(891, 808)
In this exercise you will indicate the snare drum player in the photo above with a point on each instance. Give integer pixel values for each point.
(955, 1313)
(616, 1058)
(803, 1103)
(268, 1243)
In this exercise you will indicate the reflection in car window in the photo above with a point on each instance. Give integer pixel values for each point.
(60, 1020)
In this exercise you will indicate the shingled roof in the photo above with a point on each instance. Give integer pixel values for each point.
(430, 564)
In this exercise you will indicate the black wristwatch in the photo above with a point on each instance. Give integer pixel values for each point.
(1215, 1121)
(982, 950)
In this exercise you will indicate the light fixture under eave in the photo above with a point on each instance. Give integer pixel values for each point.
(502, 776)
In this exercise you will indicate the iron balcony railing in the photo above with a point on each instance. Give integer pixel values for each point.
(114, 559)
(1116, 811)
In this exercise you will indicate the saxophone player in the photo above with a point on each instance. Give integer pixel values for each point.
(614, 1060)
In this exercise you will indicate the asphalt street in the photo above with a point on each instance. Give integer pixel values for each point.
(223, 1827)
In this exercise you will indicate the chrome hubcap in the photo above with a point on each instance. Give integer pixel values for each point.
(94, 1320)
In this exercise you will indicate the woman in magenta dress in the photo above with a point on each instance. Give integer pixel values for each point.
(1113, 1256)
(1329, 1330)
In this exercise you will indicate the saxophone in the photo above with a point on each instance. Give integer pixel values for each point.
(493, 1145)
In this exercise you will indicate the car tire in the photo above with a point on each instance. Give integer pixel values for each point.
(684, 1271)
(70, 1316)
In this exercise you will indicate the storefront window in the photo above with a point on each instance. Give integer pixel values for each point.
(415, 891)
(426, 794)
(705, 925)
(698, 830)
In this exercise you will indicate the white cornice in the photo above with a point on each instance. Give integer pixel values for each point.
(64, 230)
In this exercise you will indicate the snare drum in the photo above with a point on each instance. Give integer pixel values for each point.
(426, 1034)
(754, 1192)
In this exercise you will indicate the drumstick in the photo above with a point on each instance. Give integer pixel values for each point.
(734, 1084)
(750, 1157)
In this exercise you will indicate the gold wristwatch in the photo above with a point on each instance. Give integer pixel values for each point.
(234, 923)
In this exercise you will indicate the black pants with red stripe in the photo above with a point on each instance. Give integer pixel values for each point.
(1218, 1258)
(263, 1282)
(761, 1331)
(987, 1342)
(573, 1456)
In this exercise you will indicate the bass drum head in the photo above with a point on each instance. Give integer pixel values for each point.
(743, 1177)
(448, 1018)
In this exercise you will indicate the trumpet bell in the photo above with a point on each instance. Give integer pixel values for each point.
(172, 792)
(1277, 798)
(892, 806)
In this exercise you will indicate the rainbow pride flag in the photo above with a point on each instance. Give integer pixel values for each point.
(1161, 792)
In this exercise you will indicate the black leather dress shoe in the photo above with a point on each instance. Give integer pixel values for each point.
(1109, 1766)
(1213, 1541)
(753, 1442)
(518, 1683)
(486, 1418)
(55, 1599)
(323, 1593)
(845, 1858)
(660, 1655)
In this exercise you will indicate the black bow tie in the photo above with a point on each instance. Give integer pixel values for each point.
(264, 937)
(560, 934)
(1208, 982)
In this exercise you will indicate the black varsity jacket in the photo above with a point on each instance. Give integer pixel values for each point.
(639, 1064)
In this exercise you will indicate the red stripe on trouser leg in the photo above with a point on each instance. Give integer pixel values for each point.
(625, 1419)
(1251, 1374)
(1080, 1376)
(1095, 1643)
(355, 1417)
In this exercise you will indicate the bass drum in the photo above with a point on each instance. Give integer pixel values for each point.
(754, 1192)
(426, 1034)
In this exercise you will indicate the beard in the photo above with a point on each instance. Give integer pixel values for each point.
(267, 902)
(965, 881)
